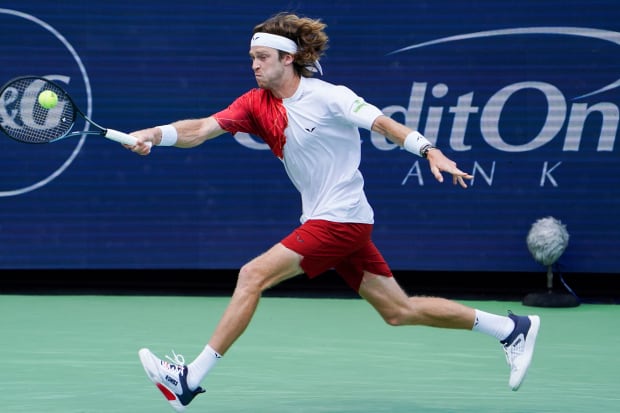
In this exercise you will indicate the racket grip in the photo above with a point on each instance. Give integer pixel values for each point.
(121, 137)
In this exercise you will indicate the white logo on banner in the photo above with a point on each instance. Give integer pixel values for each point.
(60, 78)
(558, 110)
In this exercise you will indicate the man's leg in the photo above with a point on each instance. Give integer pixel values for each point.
(180, 383)
(397, 308)
(263, 272)
(517, 334)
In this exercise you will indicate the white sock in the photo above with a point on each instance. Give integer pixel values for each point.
(198, 369)
(497, 326)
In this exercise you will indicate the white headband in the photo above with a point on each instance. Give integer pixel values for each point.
(274, 41)
(281, 43)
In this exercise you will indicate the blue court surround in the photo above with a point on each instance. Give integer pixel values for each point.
(515, 93)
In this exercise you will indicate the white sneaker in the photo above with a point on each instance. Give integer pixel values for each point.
(170, 378)
(519, 347)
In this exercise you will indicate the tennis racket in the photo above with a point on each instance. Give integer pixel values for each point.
(24, 119)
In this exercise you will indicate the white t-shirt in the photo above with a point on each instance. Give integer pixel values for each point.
(315, 133)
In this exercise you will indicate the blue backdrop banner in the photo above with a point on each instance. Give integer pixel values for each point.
(524, 95)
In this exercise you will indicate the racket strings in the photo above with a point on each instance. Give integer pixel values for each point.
(24, 119)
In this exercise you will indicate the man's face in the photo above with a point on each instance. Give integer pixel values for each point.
(267, 66)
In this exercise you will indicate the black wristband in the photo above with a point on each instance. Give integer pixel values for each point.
(425, 149)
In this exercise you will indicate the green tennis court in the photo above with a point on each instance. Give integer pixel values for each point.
(78, 353)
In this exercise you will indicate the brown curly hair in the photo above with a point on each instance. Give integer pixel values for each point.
(307, 33)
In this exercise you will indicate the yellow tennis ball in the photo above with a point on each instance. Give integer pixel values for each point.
(48, 99)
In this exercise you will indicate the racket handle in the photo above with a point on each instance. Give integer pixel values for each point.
(121, 137)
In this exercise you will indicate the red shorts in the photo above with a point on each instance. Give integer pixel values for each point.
(345, 247)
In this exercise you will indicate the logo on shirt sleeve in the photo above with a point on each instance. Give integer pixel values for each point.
(358, 104)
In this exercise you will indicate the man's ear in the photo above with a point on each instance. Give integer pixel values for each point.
(288, 59)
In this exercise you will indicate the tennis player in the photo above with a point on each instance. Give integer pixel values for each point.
(312, 126)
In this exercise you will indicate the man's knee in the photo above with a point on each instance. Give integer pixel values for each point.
(251, 278)
(393, 316)
(388, 298)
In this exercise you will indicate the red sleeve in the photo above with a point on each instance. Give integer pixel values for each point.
(259, 113)
(238, 116)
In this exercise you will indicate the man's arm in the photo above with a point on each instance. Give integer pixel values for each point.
(400, 134)
(182, 134)
(394, 131)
